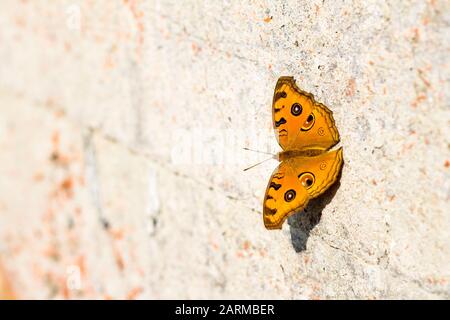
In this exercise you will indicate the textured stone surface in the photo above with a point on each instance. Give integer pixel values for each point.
(122, 127)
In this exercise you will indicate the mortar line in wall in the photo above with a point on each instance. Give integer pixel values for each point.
(54, 108)
(158, 162)
(191, 36)
(397, 273)
(186, 36)
(391, 270)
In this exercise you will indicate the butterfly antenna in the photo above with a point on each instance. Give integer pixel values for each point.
(259, 151)
(258, 163)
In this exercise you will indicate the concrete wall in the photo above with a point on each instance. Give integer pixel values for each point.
(121, 134)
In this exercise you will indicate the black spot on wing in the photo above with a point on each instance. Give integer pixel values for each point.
(279, 95)
(275, 109)
(274, 185)
(270, 211)
(280, 122)
(278, 175)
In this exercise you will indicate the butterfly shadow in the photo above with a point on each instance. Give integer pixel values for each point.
(304, 221)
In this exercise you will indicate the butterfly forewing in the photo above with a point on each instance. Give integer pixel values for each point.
(299, 121)
(290, 107)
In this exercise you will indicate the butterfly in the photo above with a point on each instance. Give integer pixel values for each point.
(305, 130)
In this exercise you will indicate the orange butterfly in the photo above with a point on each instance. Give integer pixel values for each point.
(305, 130)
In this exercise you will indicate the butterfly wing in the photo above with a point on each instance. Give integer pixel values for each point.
(278, 205)
(299, 121)
(297, 180)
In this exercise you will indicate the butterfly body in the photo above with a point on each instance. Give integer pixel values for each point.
(287, 154)
(305, 130)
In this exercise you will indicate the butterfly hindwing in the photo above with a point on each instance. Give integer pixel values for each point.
(295, 182)
(324, 169)
(277, 203)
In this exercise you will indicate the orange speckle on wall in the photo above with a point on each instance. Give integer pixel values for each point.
(67, 46)
(67, 187)
(119, 260)
(52, 252)
(351, 87)
(38, 176)
(415, 35)
(109, 63)
(423, 78)
(116, 233)
(133, 293)
(138, 16)
(196, 48)
(20, 21)
(55, 135)
(306, 259)
(80, 262)
(418, 100)
(6, 292)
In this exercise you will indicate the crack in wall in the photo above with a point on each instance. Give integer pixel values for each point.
(92, 174)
